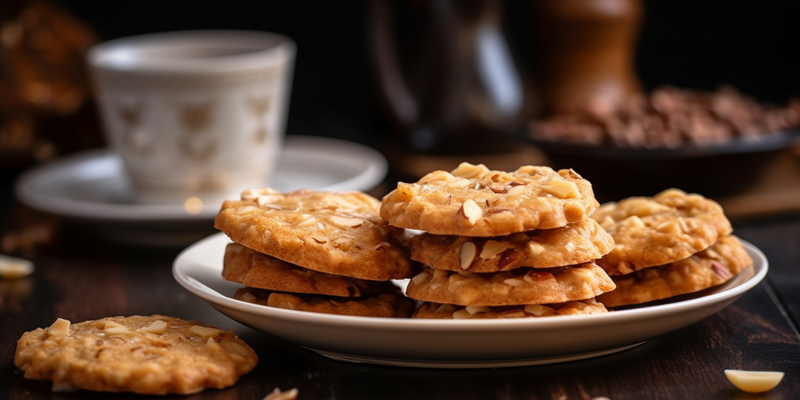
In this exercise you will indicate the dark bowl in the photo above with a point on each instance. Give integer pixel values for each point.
(720, 170)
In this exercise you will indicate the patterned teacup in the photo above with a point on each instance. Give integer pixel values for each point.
(194, 114)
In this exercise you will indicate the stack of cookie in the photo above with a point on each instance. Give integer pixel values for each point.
(671, 244)
(500, 244)
(314, 251)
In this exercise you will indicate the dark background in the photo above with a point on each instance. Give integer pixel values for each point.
(752, 45)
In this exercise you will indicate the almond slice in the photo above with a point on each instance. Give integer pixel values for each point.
(467, 254)
(471, 211)
(754, 381)
(158, 327)
(205, 331)
(492, 248)
(59, 328)
(562, 189)
(346, 222)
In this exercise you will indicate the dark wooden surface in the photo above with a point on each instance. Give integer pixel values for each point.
(79, 278)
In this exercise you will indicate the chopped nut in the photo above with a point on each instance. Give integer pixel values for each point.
(471, 211)
(467, 170)
(754, 381)
(537, 309)
(59, 328)
(633, 221)
(492, 248)
(513, 282)
(158, 327)
(498, 187)
(276, 394)
(562, 189)
(307, 220)
(14, 268)
(467, 254)
(267, 199)
(507, 257)
(718, 269)
(533, 276)
(205, 331)
(113, 328)
(477, 309)
(516, 190)
(346, 222)
(535, 248)
(248, 297)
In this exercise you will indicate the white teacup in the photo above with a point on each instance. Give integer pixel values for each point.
(195, 113)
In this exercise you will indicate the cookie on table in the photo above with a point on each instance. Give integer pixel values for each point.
(335, 233)
(472, 200)
(141, 354)
(650, 231)
(387, 305)
(546, 248)
(516, 287)
(251, 268)
(449, 311)
(708, 268)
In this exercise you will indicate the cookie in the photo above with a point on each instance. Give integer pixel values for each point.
(516, 287)
(546, 248)
(335, 233)
(654, 231)
(388, 305)
(472, 200)
(250, 268)
(449, 311)
(147, 355)
(711, 267)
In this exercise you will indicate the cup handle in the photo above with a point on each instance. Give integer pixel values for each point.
(403, 109)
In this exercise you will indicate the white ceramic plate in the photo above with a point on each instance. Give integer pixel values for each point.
(91, 188)
(456, 343)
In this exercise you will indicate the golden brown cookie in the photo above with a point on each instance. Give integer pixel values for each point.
(388, 305)
(542, 248)
(251, 268)
(516, 287)
(654, 231)
(449, 311)
(147, 355)
(472, 200)
(336, 233)
(711, 267)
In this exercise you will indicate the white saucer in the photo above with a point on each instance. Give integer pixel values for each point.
(457, 343)
(90, 188)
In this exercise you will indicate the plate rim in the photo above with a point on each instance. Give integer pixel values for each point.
(376, 167)
(453, 326)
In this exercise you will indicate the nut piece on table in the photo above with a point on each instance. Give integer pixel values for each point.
(14, 268)
(276, 394)
(754, 381)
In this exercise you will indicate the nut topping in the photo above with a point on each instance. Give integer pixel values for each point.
(59, 328)
(158, 327)
(471, 211)
(562, 189)
(205, 331)
(492, 248)
(346, 222)
(467, 254)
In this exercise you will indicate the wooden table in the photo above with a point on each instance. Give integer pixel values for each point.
(79, 278)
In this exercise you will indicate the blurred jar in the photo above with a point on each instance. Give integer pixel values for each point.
(446, 75)
(585, 53)
(44, 89)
